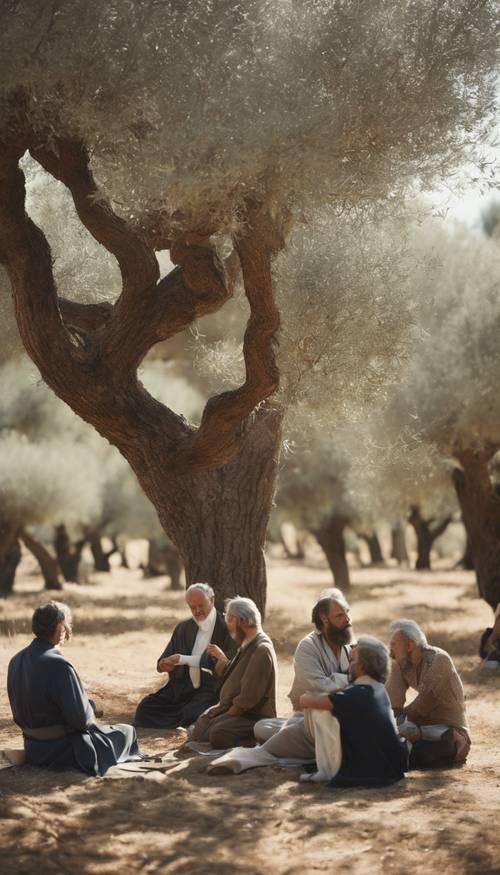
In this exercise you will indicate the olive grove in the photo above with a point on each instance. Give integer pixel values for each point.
(445, 407)
(234, 123)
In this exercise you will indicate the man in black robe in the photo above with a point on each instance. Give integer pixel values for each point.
(357, 743)
(51, 707)
(192, 686)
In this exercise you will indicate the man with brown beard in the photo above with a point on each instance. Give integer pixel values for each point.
(321, 663)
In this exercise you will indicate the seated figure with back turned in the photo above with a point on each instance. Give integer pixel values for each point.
(50, 706)
(192, 685)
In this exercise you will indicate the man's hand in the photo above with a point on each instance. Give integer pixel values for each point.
(216, 653)
(412, 734)
(315, 700)
(168, 663)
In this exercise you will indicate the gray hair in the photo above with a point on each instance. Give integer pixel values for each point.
(374, 656)
(322, 606)
(410, 630)
(205, 588)
(46, 618)
(245, 609)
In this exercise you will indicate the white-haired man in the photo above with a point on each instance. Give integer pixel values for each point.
(351, 732)
(192, 684)
(248, 691)
(354, 732)
(434, 722)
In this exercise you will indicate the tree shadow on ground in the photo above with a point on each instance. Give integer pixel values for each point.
(167, 823)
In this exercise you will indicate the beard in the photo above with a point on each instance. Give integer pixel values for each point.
(337, 636)
(238, 636)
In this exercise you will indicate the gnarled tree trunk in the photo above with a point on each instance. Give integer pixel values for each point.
(218, 519)
(68, 555)
(49, 565)
(10, 557)
(99, 555)
(481, 516)
(373, 543)
(330, 537)
(427, 531)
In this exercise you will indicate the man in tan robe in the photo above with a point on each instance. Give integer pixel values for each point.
(434, 722)
(248, 691)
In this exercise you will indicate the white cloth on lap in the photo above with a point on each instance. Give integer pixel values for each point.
(202, 640)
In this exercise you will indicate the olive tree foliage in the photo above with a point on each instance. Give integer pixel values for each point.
(446, 403)
(55, 469)
(233, 119)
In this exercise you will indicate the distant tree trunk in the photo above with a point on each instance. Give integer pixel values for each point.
(468, 557)
(68, 556)
(49, 566)
(291, 542)
(153, 568)
(218, 519)
(426, 531)
(330, 537)
(481, 516)
(10, 557)
(376, 555)
(398, 535)
(174, 567)
(99, 555)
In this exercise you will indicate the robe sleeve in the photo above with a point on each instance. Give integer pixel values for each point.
(67, 692)
(435, 687)
(308, 665)
(396, 687)
(255, 681)
(172, 647)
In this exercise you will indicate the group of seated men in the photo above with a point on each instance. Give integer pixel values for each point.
(350, 724)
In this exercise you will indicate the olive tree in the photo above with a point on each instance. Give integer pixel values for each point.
(233, 120)
(447, 398)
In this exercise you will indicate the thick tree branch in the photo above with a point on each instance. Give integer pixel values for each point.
(218, 437)
(26, 255)
(84, 317)
(68, 161)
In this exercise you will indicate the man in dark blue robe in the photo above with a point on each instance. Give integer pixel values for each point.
(367, 751)
(192, 685)
(51, 707)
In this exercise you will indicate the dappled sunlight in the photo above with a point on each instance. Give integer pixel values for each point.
(263, 820)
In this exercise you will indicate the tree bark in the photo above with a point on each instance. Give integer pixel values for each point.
(330, 537)
(427, 531)
(10, 557)
(218, 519)
(481, 516)
(89, 358)
(399, 551)
(49, 566)
(68, 555)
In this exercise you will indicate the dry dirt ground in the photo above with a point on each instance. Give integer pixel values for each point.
(263, 821)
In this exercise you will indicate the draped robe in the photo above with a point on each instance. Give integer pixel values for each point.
(47, 696)
(178, 703)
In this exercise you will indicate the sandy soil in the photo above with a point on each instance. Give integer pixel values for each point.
(262, 821)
